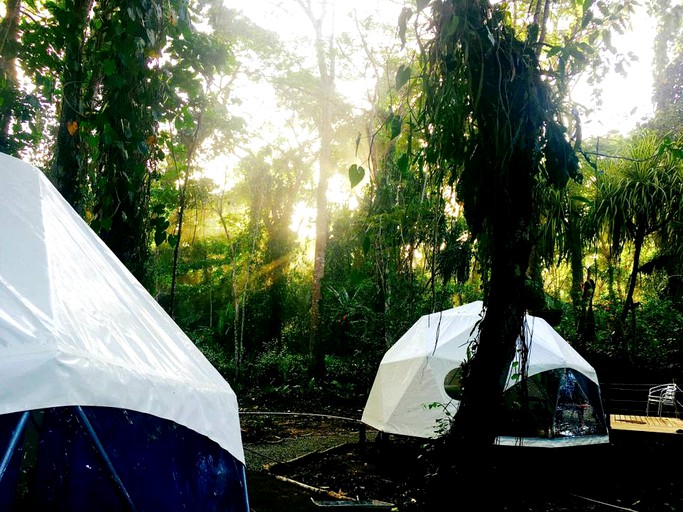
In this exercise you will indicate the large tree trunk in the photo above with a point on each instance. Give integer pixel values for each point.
(189, 143)
(125, 124)
(509, 113)
(473, 431)
(317, 368)
(629, 305)
(326, 68)
(182, 204)
(504, 165)
(575, 263)
(582, 308)
(67, 168)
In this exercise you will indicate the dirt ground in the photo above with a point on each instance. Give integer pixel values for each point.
(322, 459)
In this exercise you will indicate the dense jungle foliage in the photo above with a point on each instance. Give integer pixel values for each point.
(465, 165)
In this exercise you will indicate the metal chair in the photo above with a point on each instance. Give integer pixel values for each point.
(663, 395)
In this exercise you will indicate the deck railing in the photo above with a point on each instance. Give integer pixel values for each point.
(629, 398)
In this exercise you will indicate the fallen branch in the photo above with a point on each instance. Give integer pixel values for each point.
(603, 503)
(333, 494)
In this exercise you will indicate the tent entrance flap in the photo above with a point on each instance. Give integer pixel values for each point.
(557, 403)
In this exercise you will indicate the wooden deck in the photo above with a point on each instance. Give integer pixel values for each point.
(653, 424)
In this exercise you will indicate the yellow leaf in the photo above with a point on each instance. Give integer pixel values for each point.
(72, 127)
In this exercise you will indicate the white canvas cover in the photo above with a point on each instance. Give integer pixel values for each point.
(412, 372)
(76, 328)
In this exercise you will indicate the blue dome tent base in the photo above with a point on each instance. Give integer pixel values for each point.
(99, 458)
(12, 430)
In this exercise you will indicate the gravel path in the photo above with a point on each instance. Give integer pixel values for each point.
(258, 455)
(281, 437)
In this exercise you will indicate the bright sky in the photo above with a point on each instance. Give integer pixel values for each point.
(625, 101)
(287, 19)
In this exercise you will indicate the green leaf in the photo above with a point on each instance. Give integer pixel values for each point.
(395, 123)
(109, 67)
(105, 223)
(108, 134)
(581, 199)
(367, 243)
(532, 33)
(586, 48)
(402, 163)
(451, 27)
(402, 76)
(554, 51)
(575, 52)
(172, 240)
(405, 15)
(607, 39)
(356, 174)
(125, 127)
(159, 237)
(356, 277)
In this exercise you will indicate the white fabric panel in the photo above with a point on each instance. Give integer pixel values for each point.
(404, 392)
(76, 328)
(549, 351)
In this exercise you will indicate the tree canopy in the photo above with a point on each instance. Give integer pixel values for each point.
(295, 233)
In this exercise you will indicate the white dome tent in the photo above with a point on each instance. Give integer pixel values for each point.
(106, 398)
(415, 389)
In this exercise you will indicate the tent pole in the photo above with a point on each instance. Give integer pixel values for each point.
(100, 448)
(246, 493)
(14, 440)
